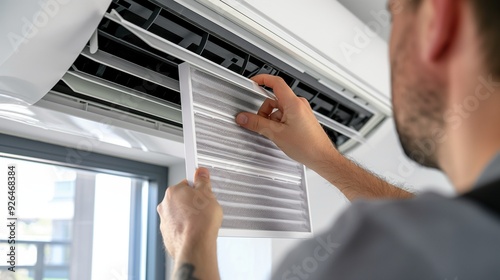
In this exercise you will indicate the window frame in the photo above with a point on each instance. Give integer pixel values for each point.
(157, 177)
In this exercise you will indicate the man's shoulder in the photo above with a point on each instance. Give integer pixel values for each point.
(426, 207)
(428, 233)
(428, 236)
(427, 214)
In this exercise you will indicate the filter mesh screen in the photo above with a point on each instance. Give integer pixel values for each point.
(258, 186)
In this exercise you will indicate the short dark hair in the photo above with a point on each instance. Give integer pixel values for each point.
(487, 13)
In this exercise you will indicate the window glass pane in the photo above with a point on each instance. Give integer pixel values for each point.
(75, 224)
(20, 274)
(54, 273)
(111, 226)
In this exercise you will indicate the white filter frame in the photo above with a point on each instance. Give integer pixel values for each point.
(190, 143)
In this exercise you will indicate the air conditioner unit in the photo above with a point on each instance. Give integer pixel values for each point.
(129, 67)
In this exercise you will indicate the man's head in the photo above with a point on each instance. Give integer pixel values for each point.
(437, 46)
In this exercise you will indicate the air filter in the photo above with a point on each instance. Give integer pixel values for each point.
(262, 191)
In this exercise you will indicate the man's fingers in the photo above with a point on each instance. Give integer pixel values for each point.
(276, 116)
(258, 124)
(202, 178)
(267, 107)
(282, 91)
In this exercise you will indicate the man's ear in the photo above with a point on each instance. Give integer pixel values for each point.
(440, 30)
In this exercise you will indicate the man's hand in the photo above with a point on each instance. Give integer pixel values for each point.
(290, 123)
(190, 221)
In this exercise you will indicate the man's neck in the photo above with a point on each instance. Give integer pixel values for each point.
(473, 134)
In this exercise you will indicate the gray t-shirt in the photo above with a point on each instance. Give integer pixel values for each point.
(428, 237)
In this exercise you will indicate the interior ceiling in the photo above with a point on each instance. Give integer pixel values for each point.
(364, 10)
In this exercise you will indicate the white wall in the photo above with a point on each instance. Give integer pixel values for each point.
(365, 11)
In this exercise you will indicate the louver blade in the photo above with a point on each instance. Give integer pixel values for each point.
(262, 191)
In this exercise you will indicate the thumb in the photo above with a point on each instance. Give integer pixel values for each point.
(257, 123)
(202, 178)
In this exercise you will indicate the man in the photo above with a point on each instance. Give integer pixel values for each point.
(444, 64)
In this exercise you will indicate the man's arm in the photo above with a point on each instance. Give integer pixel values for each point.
(354, 181)
(190, 221)
(290, 123)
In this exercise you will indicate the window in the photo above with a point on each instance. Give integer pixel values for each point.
(84, 222)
